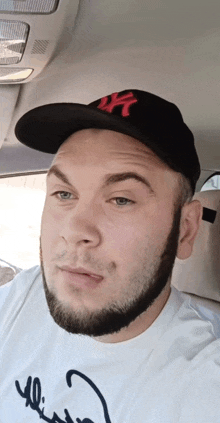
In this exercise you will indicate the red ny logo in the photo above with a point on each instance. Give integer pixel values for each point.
(125, 100)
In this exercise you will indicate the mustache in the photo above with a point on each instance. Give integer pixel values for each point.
(76, 261)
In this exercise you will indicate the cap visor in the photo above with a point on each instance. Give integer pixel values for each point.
(46, 127)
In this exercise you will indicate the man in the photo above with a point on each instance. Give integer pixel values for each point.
(97, 334)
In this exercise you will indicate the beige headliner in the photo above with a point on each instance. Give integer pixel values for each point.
(168, 47)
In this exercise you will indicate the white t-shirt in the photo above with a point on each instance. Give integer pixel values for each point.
(168, 374)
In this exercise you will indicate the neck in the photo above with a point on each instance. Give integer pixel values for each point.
(141, 323)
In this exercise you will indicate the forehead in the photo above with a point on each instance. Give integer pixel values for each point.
(95, 147)
(89, 157)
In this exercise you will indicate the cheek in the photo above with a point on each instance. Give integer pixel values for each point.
(50, 225)
(126, 241)
(143, 236)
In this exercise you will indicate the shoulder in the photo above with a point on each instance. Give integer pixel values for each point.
(194, 330)
(7, 272)
(17, 289)
(15, 294)
(205, 309)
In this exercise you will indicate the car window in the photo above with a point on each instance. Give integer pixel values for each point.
(213, 182)
(21, 205)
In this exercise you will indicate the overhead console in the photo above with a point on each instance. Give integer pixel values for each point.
(29, 33)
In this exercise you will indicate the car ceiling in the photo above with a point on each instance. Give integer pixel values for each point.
(167, 47)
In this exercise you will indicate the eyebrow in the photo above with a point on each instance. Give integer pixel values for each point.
(54, 170)
(110, 179)
(118, 177)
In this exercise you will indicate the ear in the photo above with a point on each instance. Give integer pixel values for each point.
(191, 217)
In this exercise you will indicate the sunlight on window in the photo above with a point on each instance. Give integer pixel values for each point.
(212, 183)
(21, 204)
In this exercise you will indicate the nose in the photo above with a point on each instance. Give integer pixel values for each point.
(80, 228)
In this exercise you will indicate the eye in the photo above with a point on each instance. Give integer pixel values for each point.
(121, 201)
(62, 195)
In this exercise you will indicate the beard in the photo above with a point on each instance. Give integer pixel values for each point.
(119, 315)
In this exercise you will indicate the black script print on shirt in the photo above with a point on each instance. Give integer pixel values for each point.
(34, 399)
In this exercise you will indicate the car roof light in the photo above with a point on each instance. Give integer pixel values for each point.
(13, 38)
(14, 74)
(29, 6)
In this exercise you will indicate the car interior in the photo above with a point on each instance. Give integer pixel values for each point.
(79, 50)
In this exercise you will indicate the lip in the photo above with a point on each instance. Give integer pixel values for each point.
(81, 271)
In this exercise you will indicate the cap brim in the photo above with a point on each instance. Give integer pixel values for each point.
(46, 127)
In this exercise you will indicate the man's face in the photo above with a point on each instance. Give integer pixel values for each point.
(101, 217)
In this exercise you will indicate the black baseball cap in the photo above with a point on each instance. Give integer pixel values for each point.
(148, 118)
